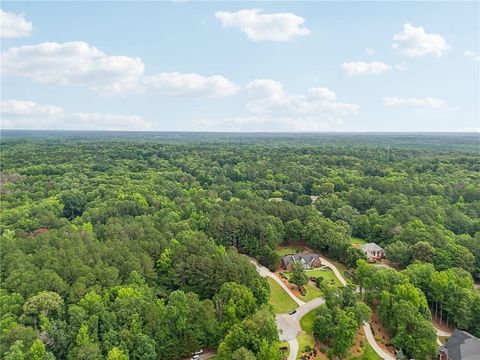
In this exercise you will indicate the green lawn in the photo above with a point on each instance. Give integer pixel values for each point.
(356, 240)
(326, 274)
(306, 322)
(280, 300)
(312, 290)
(285, 343)
(304, 340)
(368, 354)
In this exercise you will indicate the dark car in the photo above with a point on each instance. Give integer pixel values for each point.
(292, 312)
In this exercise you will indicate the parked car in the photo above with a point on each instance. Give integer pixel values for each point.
(292, 312)
(199, 352)
(196, 357)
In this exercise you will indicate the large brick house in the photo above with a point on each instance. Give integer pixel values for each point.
(309, 261)
(373, 252)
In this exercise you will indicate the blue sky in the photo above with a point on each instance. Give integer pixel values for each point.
(225, 66)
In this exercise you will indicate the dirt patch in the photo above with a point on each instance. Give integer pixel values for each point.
(381, 335)
(438, 323)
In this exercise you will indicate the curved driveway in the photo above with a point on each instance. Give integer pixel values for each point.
(371, 340)
(264, 272)
(289, 325)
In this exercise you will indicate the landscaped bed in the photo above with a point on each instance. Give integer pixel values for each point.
(312, 291)
(282, 302)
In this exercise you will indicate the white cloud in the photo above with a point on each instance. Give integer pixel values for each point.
(78, 63)
(267, 96)
(20, 114)
(264, 27)
(472, 54)
(271, 108)
(191, 85)
(13, 25)
(422, 105)
(414, 41)
(363, 68)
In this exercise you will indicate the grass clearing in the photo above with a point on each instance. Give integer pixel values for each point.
(357, 240)
(282, 303)
(287, 250)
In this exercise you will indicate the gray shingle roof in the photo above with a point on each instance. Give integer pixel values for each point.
(371, 247)
(462, 346)
(307, 258)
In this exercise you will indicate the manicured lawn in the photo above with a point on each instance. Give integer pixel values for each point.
(356, 240)
(307, 339)
(368, 354)
(312, 293)
(280, 300)
(327, 276)
(304, 340)
(306, 322)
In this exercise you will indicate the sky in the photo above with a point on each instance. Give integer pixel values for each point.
(241, 66)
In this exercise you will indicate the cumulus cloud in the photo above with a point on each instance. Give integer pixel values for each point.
(472, 54)
(78, 63)
(14, 25)
(421, 105)
(364, 68)
(266, 96)
(264, 27)
(21, 114)
(415, 42)
(190, 85)
(271, 108)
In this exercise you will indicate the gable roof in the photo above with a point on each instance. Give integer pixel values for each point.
(371, 247)
(462, 345)
(306, 258)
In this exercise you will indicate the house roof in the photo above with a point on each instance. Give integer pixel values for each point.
(462, 345)
(371, 247)
(306, 258)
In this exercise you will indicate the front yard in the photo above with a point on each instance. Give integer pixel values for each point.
(312, 289)
(282, 303)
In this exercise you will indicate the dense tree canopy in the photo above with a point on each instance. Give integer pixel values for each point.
(130, 246)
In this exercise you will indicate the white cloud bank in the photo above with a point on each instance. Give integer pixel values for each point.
(271, 108)
(415, 42)
(422, 105)
(13, 25)
(264, 27)
(21, 114)
(78, 63)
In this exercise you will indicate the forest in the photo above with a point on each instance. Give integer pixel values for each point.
(132, 245)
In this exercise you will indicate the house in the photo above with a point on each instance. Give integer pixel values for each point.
(373, 252)
(309, 261)
(461, 345)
